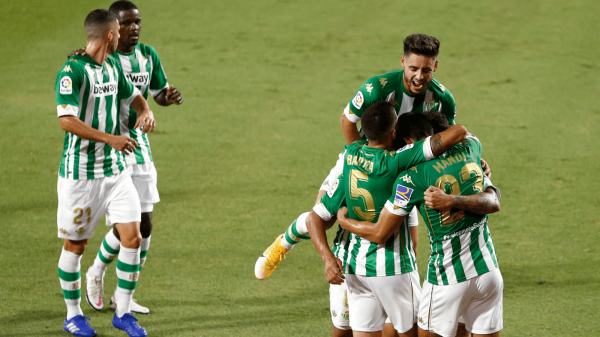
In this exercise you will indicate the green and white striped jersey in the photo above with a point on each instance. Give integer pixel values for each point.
(91, 92)
(369, 174)
(461, 243)
(389, 87)
(143, 68)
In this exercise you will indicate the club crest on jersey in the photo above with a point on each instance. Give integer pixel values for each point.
(432, 104)
(406, 147)
(105, 89)
(80, 231)
(332, 189)
(358, 100)
(403, 195)
(138, 79)
(66, 86)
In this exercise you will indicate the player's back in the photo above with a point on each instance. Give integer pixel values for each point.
(369, 174)
(461, 245)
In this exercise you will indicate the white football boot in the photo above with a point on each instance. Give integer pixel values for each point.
(133, 306)
(94, 294)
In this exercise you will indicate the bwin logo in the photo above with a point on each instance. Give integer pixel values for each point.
(139, 78)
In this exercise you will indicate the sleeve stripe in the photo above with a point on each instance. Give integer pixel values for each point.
(155, 93)
(427, 152)
(351, 116)
(390, 207)
(322, 212)
(67, 110)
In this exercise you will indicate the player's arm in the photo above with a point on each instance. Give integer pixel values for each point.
(316, 229)
(169, 96)
(441, 142)
(349, 129)
(481, 203)
(75, 126)
(146, 117)
(449, 107)
(163, 93)
(378, 232)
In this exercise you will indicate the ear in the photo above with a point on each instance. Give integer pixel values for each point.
(408, 140)
(403, 61)
(394, 133)
(435, 66)
(109, 35)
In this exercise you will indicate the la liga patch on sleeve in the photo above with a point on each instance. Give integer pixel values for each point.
(403, 195)
(358, 100)
(66, 86)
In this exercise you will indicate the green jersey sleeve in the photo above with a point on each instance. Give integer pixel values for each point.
(407, 193)
(332, 201)
(411, 155)
(158, 78)
(369, 93)
(449, 107)
(69, 82)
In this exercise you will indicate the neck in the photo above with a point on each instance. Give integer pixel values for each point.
(386, 145)
(124, 48)
(97, 50)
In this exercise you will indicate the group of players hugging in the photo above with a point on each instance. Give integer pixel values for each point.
(408, 155)
(107, 167)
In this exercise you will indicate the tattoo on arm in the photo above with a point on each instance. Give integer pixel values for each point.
(436, 144)
(481, 203)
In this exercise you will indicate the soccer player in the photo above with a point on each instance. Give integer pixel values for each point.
(463, 277)
(380, 276)
(91, 180)
(142, 66)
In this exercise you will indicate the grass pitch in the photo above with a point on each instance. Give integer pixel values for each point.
(264, 84)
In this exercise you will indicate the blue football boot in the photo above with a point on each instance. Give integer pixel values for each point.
(79, 326)
(130, 325)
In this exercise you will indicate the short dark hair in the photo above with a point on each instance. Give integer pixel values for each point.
(413, 125)
(421, 44)
(378, 120)
(96, 23)
(121, 5)
(438, 121)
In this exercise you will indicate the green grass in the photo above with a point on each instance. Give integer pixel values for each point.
(264, 84)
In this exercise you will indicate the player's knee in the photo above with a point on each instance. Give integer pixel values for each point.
(76, 247)
(146, 225)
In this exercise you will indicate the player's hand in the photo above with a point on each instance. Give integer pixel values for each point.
(342, 214)
(437, 199)
(173, 96)
(146, 119)
(486, 168)
(123, 143)
(77, 52)
(333, 270)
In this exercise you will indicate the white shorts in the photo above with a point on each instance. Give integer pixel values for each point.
(145, 179)
(338, 306)
(335, 172)
(416, 284)
(82, 203)
(478, 300)
(373, 299)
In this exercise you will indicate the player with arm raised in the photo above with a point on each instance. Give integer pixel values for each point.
(463, 276)
(369, 172)
(143, 68)
(91, 180)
